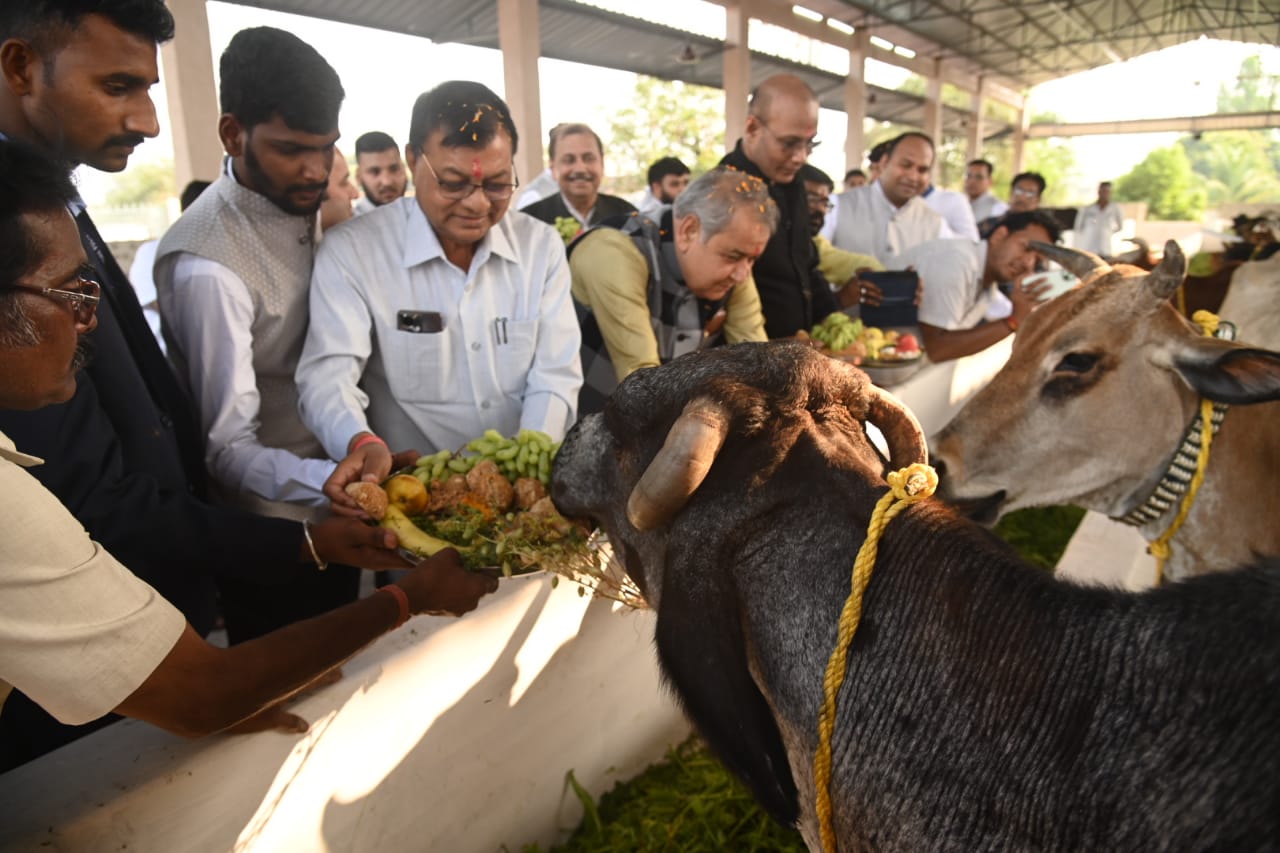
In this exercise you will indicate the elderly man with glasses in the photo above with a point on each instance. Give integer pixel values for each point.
(776, 141)
(436, 317)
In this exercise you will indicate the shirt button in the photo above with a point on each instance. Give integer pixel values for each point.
(476, 346)
(485, 404)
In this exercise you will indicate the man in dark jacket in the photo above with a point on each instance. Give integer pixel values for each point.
(779, 135)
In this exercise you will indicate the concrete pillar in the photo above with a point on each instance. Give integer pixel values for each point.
(1020, 136)
(520, 44)
(737, 73)
(973, 144)
(933, 104)
(191, 94)
(855, 100)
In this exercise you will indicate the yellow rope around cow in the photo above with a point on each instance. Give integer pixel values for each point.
(907, 486)
(1208, 323)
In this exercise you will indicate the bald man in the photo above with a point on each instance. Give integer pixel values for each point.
(779, 135)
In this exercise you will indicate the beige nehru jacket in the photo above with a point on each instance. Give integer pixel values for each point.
(78, 632)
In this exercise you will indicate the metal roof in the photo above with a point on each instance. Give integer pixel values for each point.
(1012, 43)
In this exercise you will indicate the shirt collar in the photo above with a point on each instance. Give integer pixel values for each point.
(10, 451)
(422, 245)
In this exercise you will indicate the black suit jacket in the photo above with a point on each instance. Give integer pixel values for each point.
(553, 206)
(793, 294)
(124, 455)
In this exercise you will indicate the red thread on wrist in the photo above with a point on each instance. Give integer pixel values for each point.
(1011, 323)
(402, 601)
(368, 438)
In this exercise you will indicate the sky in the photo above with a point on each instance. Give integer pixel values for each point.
(383, 72)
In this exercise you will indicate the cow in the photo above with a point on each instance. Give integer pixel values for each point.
(1100, 395)
(986, 704)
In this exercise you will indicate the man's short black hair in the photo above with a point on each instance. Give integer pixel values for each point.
(812, 174)
(470, 114)
(30, 182)
(878, 151)
(666, 166)
(191, 192)
(910, 134)
(854, 173)
(986, 164)
(1014, 222)
(1035, 177)
(374, 142)
(47, 24)
(267, 72)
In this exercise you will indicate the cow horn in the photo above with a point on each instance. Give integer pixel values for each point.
(680, 466)
(900, 428)
(1168, 274)
(1081, 264)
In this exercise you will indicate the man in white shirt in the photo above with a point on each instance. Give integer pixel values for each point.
(232, 276)
(977, 186)
(1098, 223)
(960, 285)
(887, 217)
(668, 177)
(954, 208)
(437, 317)
(379, 171)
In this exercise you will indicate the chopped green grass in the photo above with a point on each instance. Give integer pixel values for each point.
(688, 802)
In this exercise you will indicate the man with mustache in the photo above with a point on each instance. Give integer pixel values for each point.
(888, 216)
(79, 633)
(379, 170)
(577, 162)
(233, 275)
(125, 453)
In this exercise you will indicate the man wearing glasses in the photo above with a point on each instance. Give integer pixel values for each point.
(779, 135)
(436, 317)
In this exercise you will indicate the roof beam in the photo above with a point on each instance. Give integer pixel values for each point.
(1188, 124)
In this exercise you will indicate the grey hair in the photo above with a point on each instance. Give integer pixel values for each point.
(16, 329)
(715, 196)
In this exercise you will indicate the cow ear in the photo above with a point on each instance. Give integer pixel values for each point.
(1163, 281)
(1229, 373)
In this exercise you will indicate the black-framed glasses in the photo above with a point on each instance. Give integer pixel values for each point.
(460, 189)
(84, 299)
(818, 200)
(792, 144)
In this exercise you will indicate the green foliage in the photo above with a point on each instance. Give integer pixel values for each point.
(1040, 534)
(688, 803)
(1164, 180)
(1255, 90)
(150, 182)
(664, 118)
(1236, 165)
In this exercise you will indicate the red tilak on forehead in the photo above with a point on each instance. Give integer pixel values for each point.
(475, 169)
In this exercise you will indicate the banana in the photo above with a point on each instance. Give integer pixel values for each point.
(411, 536)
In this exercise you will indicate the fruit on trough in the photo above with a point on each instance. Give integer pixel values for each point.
(408, 493)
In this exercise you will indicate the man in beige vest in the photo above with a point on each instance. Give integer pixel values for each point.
(233, 275)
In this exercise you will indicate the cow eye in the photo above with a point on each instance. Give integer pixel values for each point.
(1077, 362)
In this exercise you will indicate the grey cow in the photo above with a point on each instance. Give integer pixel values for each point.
(986, 704)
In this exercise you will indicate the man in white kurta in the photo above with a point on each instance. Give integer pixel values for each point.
(1098, 223)
(437, 317)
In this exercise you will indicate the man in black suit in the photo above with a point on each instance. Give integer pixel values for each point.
(577, 162)
(124, 454)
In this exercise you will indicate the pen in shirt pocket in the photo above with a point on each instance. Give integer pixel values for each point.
(500, 331)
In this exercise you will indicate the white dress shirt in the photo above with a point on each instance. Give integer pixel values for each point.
(505, 355)
(1095, 226)
(986, 206)
(955, 209)
(211, 313)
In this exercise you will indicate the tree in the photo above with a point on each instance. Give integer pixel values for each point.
(150, 182)
(665, 118)
(1255, 89)
(1164, 180)
(1236, 166)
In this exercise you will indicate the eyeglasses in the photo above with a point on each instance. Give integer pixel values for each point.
(458, 190)
(819, 201)
(792, 144)
(84, 299)
(1024, 192)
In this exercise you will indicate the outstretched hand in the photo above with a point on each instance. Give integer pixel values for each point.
(370, 463)
(440, 585)
(353, 543)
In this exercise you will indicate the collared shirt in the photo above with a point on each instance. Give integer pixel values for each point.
(404, 343)
(1094, 227)
(78, 632)
(868, 223)
(986, 206)
(651, 206)
(952, 294)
